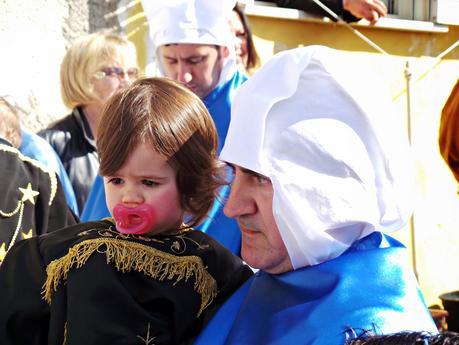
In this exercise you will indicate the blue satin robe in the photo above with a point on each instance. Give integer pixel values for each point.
(369, 287)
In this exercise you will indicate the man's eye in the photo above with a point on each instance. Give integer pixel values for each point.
(149, 183)
(262, 179)
(171, 62)
(196, 60)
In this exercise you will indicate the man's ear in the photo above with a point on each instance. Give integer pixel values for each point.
(224, 52)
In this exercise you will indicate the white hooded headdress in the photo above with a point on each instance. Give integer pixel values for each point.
(192, 22)
(338, 167)
(189, 21)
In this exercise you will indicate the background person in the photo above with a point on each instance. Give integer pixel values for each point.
(131, 278)
(32, 202)
(449, 128)
(321, 175)
(246, 53)
(349, 10)
(194, 45)
(94, 67)
(33, 146)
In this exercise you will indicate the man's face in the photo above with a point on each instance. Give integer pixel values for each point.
(197, 66)
(250, 202)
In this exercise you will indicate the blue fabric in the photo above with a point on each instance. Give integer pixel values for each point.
(35, 147)
(218, 102)
(369, 287)
(95, 207)
(217, 225)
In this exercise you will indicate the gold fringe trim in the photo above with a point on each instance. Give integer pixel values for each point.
(132, 256)
(51, 173)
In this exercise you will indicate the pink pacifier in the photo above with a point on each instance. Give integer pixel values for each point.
(134, 220)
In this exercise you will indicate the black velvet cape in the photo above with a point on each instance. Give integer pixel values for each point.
(32, 201)
(89, 284)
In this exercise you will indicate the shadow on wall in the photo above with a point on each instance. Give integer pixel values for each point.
(89, 16)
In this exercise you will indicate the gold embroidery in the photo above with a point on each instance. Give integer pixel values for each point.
(2, 251)
(28, 194)
(18, 225)
(51, 173)
(111, 232)
(147, 340)
(131, 256)
(26, 235)
(12, 213)
(65, 334)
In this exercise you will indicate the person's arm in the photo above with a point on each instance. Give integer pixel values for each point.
(371, 10)
(349, 10)
(24, 315)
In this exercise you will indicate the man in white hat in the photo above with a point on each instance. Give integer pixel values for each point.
(320, 178)
(194, 45)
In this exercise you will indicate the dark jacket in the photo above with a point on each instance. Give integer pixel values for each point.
(72, 139)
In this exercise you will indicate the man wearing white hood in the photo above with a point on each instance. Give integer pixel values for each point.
(321, 175)
(194, 45)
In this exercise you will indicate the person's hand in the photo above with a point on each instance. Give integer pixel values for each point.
(371, 10)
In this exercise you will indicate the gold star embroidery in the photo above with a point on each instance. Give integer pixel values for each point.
(147, 340)
(26, 235)
(28, 194)
(2, 251)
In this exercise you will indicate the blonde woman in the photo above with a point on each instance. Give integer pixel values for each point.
(94, 68)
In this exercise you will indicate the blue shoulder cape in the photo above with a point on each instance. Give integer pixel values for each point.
(217, 225)
(370, 287)
(36, 147)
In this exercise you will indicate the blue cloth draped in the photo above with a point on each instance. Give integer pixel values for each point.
(217, 225)
(35, 147)
(369, 287)
(95, 207)
(218, 102)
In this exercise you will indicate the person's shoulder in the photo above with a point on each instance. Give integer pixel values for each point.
(60, 128)
(26, 166)
(216, 256)
(58, 243)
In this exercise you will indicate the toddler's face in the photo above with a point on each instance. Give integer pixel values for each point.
(146, 178)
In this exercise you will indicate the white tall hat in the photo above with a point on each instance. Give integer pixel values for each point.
(189, 21)
(339, 166)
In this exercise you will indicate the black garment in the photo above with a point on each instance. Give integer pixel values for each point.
(311, 7)
(32, 201)
(89, 284)
(72, 139)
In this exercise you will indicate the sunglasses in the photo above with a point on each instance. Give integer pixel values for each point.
(132, 73)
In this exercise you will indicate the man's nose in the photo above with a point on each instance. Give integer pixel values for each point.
(184, 73)
(239, 202)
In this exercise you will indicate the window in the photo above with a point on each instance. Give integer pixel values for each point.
(439, 11)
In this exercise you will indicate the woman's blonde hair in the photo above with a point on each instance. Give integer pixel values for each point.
(84, 58)
(176, 123)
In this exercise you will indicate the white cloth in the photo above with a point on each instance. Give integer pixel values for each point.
(189, 21)
(339, 166)
(192, 22)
